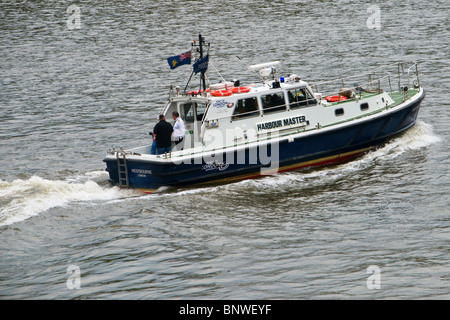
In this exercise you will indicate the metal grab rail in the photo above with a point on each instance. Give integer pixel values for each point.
(370, 89)
(416, 77)
(374, 76)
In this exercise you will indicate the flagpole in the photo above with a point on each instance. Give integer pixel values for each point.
(202, 78)
(188, 81)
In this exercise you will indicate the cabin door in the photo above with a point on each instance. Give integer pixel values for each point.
(192, 113)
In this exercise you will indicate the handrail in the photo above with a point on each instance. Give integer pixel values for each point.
(379, 80)
(371, 72)
(393, 64)
(416, 75)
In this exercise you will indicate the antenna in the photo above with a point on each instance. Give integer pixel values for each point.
(202, 76)
(248, 67)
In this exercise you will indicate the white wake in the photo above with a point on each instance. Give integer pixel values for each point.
(22, 199)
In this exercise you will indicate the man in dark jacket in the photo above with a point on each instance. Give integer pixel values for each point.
(162, 133)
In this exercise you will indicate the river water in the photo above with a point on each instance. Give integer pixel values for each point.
(76, 81)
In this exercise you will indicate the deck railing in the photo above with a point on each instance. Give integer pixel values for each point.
(406, 75)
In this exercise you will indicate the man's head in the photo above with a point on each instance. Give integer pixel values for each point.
(175, 115)
(161, 117)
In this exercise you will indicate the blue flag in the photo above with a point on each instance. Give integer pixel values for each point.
(201, 65)
(176, 61)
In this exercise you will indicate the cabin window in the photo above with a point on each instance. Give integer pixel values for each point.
(246, 108)
(187, 112)
(192, 111)
(201, 109)
(273, 102)
(339, 112)
(300, 98)
(364, 106)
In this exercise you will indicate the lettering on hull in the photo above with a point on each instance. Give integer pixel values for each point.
(299, 121)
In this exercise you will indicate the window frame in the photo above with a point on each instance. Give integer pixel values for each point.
(182, 107)
(275, 108)
(205, 110)
(340, 114)
(248, 114)
(366, 106)
(308, 102)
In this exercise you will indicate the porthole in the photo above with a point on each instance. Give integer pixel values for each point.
(339, 112)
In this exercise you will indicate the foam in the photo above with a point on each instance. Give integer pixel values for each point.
(22, 199)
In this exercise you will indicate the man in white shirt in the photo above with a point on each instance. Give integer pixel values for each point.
(178, 128)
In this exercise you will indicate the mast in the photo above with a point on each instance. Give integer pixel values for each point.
(200, 47)
(202, 76)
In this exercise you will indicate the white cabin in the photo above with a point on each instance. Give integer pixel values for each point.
(243, 115)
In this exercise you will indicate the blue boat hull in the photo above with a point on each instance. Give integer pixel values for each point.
(321, 148)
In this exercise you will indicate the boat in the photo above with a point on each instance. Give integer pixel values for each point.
(278, 123)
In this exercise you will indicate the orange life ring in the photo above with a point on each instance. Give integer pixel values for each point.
(221, 93)
(195, 92)
(240, 89)
(335, 98)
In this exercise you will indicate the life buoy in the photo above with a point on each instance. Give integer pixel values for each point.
(240, 89)
(221, 93)
(335, 98)
(193, 93)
